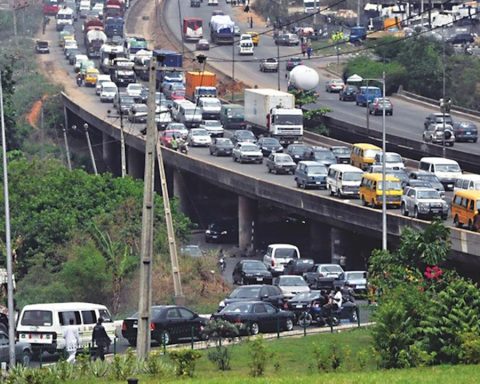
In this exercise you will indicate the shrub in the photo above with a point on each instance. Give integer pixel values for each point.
(259, 356)
(123, 366)
(221, 357)
(185, 361)
(155, 365)
(470, 348)
(328, 357)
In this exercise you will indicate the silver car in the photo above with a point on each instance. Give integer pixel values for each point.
(247, 153)
(436, 134)
(421, 202)
(23, 351)
(280, 163)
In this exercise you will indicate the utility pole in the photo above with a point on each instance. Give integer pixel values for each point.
(122, 140)
(443, 91)
(8, 244)
(172, 246)
(358, 12)
(67, 148)
(278, 68)
(233, 69)
(146, 259)
(90, 149)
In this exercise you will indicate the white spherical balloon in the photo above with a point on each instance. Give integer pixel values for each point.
(303, 77)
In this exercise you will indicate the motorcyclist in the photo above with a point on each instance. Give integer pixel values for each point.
(174, 143)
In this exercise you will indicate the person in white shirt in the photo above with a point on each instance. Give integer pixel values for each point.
(72, 340)
(338, 298)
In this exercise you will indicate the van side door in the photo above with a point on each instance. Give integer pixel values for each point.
(89, 319)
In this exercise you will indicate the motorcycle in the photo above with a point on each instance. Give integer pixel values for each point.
(321, 315)
(221, 264)
(183, 147)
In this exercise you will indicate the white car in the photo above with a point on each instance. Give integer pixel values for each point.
(212, 2)
(214, 127)
(101, 78)
(79, 59)
(246, 36)
(98, 7)
(392, 160)
(291, 285)
(134, 89)
(108, 91)
(198, 137)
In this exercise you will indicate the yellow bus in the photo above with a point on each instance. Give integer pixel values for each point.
(363, 155)
(371, 190)
(465, 209)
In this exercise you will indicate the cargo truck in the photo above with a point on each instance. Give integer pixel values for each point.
(222, 29)
(114, 26)
(169, 66)
(200, 84)
(273, 112)
(64, 17)
(94, 39)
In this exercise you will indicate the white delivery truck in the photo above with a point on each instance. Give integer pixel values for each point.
(273, 112)
(64, 17)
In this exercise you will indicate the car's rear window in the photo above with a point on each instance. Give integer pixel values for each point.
(37, 318)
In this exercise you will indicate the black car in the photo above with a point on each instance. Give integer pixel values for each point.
(321, 155)
(41, 46)
(293, 62)
(461, 38)
(268, 145)
(168, 323)
(348, 93)
(257, 316)
(301, 302)
(23, 351)
(341, 153)
(71, 55)
(251, 272)
(465, 131)
(221, 146)
(222, 232)
(195, 3)
(268, 293)
(298, 266)
(296, 151)
(243, 135)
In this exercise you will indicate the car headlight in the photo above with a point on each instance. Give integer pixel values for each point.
(224, 232)
(221, 304)
(208, 232)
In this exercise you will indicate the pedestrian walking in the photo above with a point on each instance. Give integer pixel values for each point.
(304, 49)
(72, 340)
(309, 52)
(100, 339)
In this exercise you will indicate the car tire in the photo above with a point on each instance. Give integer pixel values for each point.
(456, 222)
(403, 210)
(254, 329)
(26, 358)
(165, 338)
(470, 225)
(132, 342)
(269, 170)
(241, 282)
(289, 324)
(372, 204)
(415, 212)
(304, 320)
(364, 202)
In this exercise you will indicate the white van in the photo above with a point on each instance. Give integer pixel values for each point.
(468, 181)
(446, 170)
(100, 80)
(189, 114)
(245, 47)
(210, 107)
(42, 325)
(344, 180)
(108, 91)
(279, 255)
(64, 17)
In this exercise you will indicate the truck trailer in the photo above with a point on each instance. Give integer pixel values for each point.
(271, 112)
(200, 84)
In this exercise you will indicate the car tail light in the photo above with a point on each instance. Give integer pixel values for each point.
(285, 305)
(124, 326)
(152, 326)
(321, 275)
(273, 262)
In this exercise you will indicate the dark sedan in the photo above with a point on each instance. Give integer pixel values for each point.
(251, 271)
(168, 323)
(301, 302)
(268, 293)
(465, 131)
(348, 93)
(221, 146)
(254, 317)
(298, 267)
(23, 351)
(320, 155)
(242, 136)
(222, 232)
(269, 145)
(296, 151)
(341, 153)
(293, 62)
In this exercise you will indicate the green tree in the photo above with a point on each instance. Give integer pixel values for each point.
(10, 115)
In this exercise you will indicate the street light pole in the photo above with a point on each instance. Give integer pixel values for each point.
(8, 244)
(278, 68)
(233, 69)
(90, 149)
(384, 150)
(67, 148)
(443, 92)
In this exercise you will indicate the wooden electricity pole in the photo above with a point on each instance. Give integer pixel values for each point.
(145, 300)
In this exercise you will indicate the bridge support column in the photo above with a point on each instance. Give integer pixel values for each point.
(339, 246)
(247, 212)
(320, 242)
(111, 153)
(135, 163)
(180, 190)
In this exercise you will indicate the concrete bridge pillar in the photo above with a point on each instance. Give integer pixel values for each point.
(111, 154)
(247, 212)
(180, 190)
(320, 242)
(135, 163)
(339, 246)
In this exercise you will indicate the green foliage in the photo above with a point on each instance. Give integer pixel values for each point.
(221, 357)
(185, 361)
(123, 366)
(98, 368)
(259, 356)
(328, 357)
(156, 366)
(218, 330)
(470, 348)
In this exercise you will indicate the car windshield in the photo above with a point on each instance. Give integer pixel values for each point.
(296, 149)
(306, 296)
(245, 293)
(127, 100)
(290, 253)
(428, 177)
(428, 194)
(447, 168)
(289, 119)
(249, 148)
(254, 266)
(235, 113)
(238, 308)
(390, 185)
(352, 176)
(271, 60)
(317, 170)
(354, 275)
(293, 281)
(199, 132)
(246, 135)
(324, 155)
(212, 123)
(332, 269)
(211, 103)
(371, 153)
(283, 158)
(37, 317)
(398, 173)
(393, 158)
(341, 151)
(224, 142)
(270, 141)
(109, 89)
